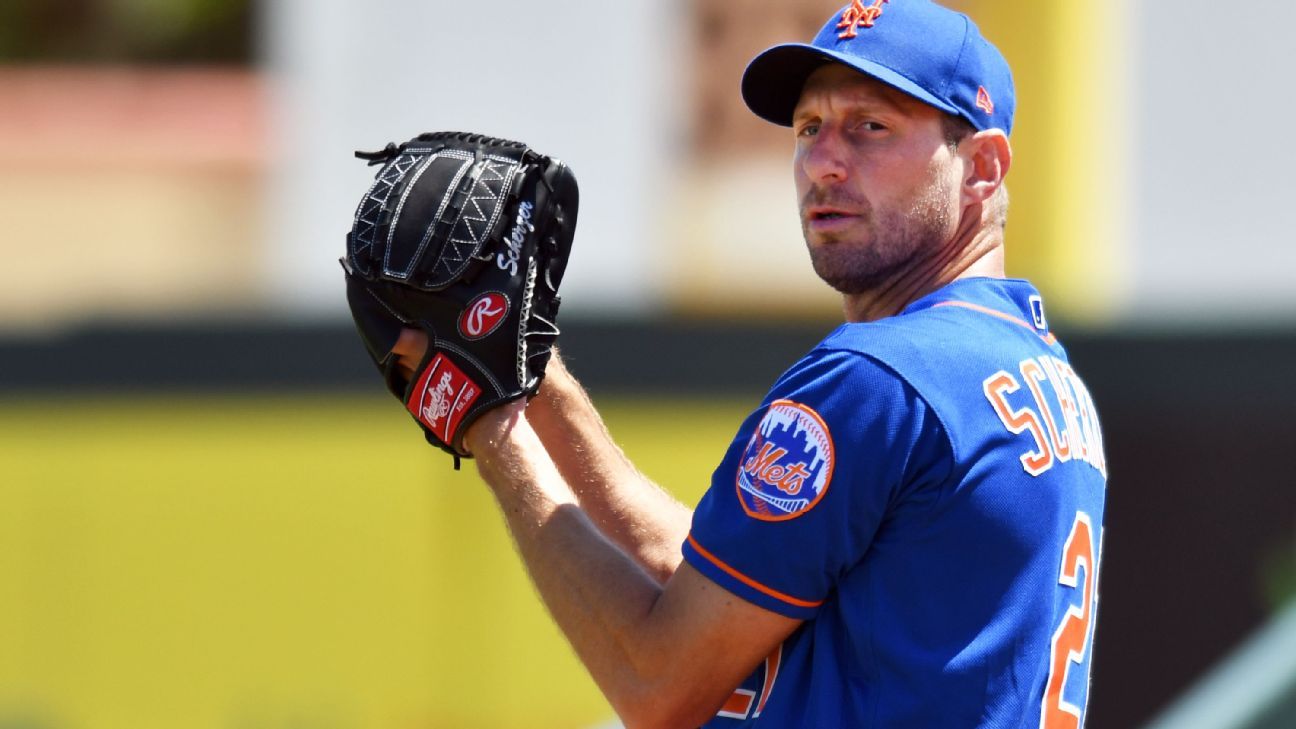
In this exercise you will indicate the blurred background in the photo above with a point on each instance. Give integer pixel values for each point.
(212, 514)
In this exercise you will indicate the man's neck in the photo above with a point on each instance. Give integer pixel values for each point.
(971, 253)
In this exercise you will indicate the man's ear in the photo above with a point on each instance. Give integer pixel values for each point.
(988, 155)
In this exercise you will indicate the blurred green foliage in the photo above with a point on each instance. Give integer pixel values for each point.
(1279, 574)
(127, 31)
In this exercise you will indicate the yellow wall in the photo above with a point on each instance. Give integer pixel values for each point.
(280, 563)
(1067, 227)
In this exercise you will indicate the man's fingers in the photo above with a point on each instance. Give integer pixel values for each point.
(409, 349)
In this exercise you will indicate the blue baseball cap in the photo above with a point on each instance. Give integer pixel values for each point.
(923, 49)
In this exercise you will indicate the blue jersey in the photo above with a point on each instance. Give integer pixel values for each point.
(926, 491)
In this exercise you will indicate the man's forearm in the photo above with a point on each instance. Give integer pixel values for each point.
(629, 508)
(637, 645)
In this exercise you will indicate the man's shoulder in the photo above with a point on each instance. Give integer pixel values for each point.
(836, 361)
(929, 340)
(926, 327)
(870, 356)
(844, 384)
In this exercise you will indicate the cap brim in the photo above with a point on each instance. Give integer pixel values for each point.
(772, 83)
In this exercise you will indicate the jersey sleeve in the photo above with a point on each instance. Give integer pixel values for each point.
(809, 479)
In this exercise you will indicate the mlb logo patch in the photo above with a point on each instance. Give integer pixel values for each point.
(1037, 313)
(787, 465)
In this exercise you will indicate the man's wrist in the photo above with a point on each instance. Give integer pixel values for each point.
(557, 379)
(491, 429)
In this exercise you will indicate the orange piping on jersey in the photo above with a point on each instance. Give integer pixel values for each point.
(749, 581)
(1050, 339)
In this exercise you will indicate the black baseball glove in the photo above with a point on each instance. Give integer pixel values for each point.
(465, 237)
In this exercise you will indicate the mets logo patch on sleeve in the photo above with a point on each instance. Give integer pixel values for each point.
(788, 463)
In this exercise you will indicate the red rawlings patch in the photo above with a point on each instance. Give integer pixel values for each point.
(441, 397)
(483, 315)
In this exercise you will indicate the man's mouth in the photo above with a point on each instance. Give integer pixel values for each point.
(826, 215)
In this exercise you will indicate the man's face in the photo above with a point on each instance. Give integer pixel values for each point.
(878, 185)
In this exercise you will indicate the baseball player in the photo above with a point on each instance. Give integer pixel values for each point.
(907, 531)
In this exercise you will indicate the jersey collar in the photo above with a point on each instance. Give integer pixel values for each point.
(1014, 300)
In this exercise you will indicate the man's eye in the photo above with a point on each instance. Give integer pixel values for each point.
(808, 130)
(872, 126)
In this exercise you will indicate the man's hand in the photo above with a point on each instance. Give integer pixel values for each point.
(409, 349)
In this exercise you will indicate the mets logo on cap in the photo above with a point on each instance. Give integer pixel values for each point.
(788, 463)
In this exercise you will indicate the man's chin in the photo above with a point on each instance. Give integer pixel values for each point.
(847, 282)
(849, 286)
(852, 271)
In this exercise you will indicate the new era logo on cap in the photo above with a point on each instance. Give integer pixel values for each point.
(983, 101)
(923, 49)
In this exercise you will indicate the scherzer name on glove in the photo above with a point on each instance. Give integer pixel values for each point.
(465, 237)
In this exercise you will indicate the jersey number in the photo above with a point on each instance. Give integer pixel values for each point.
(741, 702)
(1072, 638)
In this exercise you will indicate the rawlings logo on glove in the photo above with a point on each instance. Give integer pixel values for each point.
(483, 315)
(438, 243)
(430, 403)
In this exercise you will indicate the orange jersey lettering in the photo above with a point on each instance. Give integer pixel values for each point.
(997, 388)
(1062, 432)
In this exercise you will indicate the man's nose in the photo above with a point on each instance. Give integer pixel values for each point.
(823, 159)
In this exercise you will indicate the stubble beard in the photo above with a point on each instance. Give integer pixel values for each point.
(890, 243)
